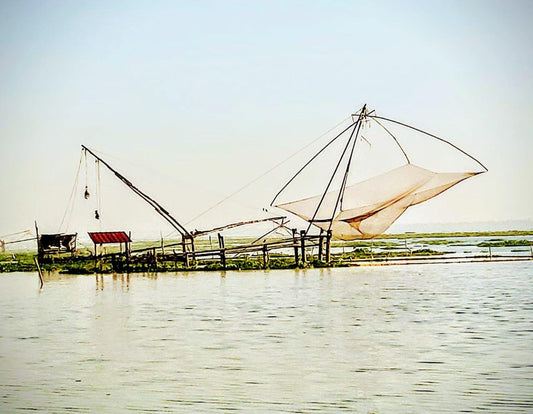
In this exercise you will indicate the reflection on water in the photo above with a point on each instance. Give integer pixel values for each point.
(414, 339)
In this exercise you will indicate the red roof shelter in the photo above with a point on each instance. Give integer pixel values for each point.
(106, 237)
(110, 237)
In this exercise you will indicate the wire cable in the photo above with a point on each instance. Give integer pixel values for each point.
(266, 172)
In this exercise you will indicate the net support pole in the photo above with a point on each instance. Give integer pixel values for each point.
(328, 246)
(302, 245)
(320, 245)
(295, 244)
(222, 250)
(265, 256)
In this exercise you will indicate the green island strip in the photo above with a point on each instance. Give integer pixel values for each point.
(383, 247)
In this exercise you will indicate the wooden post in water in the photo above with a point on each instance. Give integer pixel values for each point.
(265, 256)
(328, 246)
(39, 270)
(302, 245)
(295, 241)
(39, 251)
(222, 250)
(320, 245)
(192, 249)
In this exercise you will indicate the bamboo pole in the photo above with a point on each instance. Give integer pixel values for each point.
(39, 271)
(222, 250)
(302, 245)
(328, 246)
(295, 243)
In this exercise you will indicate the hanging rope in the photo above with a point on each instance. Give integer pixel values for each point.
(98, 195)
(86, 194)
(72, 199)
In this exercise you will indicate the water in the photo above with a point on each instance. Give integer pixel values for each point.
(405, 339)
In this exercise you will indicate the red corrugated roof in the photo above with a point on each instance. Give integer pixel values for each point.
(103, 237)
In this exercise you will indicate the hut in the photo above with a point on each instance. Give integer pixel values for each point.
(111, 237)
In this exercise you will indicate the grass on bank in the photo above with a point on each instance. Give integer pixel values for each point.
(393, 245)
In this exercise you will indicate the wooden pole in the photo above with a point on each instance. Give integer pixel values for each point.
(39, 271)
(320, 245)
(192, 249)
(265, 256)
(302, 245)
(95, 257)
(222, 250)
(328, 247)
(164, 213)
(295, 241)
(39, 250)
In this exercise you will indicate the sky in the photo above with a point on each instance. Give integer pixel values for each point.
(193, 100)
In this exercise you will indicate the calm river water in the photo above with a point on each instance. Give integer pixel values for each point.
(405, 339)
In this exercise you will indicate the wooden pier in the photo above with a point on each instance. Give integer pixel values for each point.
(297, 251)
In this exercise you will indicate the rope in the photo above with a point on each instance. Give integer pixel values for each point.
(266, 172)
(433, 136)
(86, 180)
(72, 198)
(394, 138)
(99, 193)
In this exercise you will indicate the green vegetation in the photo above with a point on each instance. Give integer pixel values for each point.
(364, 253)
(505, 243)
(507, 233)
(17, 262)
(387, 246)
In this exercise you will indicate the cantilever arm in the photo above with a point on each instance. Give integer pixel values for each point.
(164, 213)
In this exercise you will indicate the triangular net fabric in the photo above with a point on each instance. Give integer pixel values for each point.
(370, 207)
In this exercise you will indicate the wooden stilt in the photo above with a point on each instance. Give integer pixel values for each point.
(295, 240)
(302, 245)
(222, 250)
(39, 250)
(39, 270)
(328, 247)
(265, 256)
(320, 245)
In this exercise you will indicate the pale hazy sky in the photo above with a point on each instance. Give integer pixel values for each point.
(196, 98)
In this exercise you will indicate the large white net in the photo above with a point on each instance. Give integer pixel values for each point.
(369, 207)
